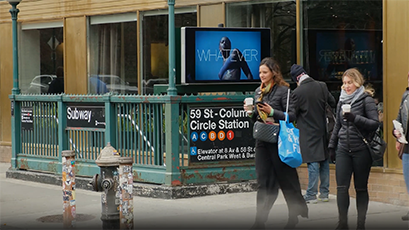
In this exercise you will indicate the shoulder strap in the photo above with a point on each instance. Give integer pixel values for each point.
(288, 104)
(360, 134)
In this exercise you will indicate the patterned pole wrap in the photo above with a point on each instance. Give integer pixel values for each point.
(125, 189)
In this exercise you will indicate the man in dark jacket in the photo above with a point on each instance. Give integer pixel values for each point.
(309, 98)
(57, 85)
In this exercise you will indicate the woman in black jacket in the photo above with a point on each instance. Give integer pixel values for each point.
(352, 154)
(272, 173)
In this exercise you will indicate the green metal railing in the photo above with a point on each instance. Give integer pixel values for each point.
(153, 130)
(140, 132)
(42, 137)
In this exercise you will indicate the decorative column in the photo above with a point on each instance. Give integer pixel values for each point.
(15, 107)
(14, 12)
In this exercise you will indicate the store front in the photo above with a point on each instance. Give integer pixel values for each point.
(126, 52)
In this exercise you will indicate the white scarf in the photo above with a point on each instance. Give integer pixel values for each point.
(350, 99)
(302, 78)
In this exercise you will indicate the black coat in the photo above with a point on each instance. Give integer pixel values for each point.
(345, 134)
(309, 104)
(277, 99)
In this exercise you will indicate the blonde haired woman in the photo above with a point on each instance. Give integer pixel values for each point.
(352, 154)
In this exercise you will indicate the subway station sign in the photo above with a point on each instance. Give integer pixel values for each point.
(220, 134)
(81, 115)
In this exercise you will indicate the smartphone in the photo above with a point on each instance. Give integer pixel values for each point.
(260, 103)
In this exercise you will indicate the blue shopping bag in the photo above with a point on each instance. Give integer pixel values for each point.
(289, 144)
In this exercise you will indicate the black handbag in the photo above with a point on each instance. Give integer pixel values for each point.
(377, 146)
(266, 132)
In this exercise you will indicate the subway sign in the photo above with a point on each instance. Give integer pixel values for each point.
(81, 115)
(220, 134)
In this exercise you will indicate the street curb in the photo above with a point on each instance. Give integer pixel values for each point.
(142, 189)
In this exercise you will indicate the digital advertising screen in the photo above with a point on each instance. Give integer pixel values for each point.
(223, 55)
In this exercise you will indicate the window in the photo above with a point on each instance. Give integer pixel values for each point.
(155, 45)
(338, 35)
(279, 16)
(41, 54)
(113, 54)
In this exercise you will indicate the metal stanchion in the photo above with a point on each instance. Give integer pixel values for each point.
(68, 188)
(126, 196)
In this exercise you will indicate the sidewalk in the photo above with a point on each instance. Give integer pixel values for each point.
(23, 202)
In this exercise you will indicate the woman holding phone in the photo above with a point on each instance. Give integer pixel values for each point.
(272, 173)
(356, 113)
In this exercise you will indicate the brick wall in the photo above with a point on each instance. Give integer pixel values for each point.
(386, 187)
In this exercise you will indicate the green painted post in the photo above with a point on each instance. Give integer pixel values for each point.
(15, 106)
(172, 110)
(62, 134)
(111, 120)
(14, 12)
(15, 130)
(172, 54)
(173, 177)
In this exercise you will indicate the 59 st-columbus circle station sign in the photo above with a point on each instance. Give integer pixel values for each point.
(220, 134)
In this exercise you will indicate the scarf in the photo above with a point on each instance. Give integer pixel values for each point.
(350, 99)
(302, 78)
(265, 89)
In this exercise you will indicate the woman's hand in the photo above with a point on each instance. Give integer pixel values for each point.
(397, 145)
(349, 117)
(396, 133)
(248, 108)
(264, 107)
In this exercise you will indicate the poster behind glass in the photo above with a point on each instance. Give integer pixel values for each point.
(331, 52)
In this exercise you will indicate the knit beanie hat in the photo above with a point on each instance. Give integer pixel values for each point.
(296, 72)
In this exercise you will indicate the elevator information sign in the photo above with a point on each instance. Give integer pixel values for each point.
(27, 118)
(220, 134)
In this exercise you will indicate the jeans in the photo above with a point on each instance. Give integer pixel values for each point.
(405, 166)
(315, 170)
(359, 164)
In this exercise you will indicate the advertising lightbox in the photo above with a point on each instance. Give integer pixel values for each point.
(223, 55)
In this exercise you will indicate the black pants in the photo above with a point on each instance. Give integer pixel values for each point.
(273, 174)
(359, 164)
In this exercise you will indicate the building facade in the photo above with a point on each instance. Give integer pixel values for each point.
(125, 44)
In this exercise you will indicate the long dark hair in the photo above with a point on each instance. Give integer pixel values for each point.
(275, 68)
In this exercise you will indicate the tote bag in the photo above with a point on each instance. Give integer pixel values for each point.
(289, 141)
